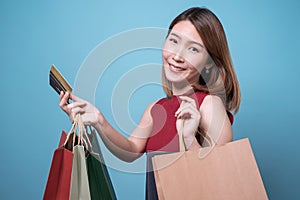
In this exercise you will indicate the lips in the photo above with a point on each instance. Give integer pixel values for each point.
(176, 68)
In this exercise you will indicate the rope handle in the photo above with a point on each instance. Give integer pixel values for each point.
(203, 151)
(73, 128)
(182, 146)
(80, 128)
(84, 131)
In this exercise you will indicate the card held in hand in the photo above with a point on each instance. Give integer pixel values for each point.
(57, 81)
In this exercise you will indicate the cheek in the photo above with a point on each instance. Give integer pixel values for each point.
(165, 54)
(199, 67)
(168, 50)
(195, 71)
(198, 62)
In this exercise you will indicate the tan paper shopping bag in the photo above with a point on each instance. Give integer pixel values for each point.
(225, 172)
(79, 187)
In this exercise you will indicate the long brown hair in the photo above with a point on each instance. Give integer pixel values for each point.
(221, 79)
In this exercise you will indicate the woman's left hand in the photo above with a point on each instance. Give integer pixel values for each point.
(188, 112)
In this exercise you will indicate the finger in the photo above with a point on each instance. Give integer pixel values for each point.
(61, 95)
(185, 105)
(77, 110)
(187, 111)
(188, 100)
(186, 114)
(64, 99)
(180, 108)
(75, 104)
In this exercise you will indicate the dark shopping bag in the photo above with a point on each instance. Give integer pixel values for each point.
(101, 187)
(151, 192)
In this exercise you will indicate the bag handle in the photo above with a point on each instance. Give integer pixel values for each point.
(73, 129)
(203, 151)
(182, 146)
(84, 131)
(78, 127)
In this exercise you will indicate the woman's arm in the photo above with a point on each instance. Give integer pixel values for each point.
(127, 149)
(214, 119)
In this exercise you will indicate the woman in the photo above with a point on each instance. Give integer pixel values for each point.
(201, 87)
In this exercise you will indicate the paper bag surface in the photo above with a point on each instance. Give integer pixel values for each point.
(227, 172)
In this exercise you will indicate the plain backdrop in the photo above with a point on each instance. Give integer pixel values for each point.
(263, 37)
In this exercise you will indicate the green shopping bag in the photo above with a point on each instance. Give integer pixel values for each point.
(100, 184)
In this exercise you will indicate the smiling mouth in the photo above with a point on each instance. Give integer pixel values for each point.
(176, 68)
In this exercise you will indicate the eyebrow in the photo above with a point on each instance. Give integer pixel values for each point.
(190, 41)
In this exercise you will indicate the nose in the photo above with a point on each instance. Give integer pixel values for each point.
(178, 57)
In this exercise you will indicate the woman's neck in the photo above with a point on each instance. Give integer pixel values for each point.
(182, 90)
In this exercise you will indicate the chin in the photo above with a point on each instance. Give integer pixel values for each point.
(176, 78)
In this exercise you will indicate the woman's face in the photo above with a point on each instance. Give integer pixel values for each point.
(184, 55)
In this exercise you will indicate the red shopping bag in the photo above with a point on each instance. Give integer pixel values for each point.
(58, 183)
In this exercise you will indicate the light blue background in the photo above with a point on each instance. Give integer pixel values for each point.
(264, 40)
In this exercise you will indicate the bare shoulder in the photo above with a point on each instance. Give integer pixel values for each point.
(150, 105)
(214, 119)
(147, 118)
(212, 103)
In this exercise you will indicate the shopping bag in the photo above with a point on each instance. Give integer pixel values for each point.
(58, 183)
(101, 187)
(226, 171)
(79, 188)
(151, 191)
(60, 175)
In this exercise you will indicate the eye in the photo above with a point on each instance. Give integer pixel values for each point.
(173, 40)
(194, 49)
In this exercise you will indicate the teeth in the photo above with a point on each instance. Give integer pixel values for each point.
(177, 68)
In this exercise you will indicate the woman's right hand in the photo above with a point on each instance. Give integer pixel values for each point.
(90, 114)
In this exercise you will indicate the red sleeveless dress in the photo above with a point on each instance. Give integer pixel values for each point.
(164, 137)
